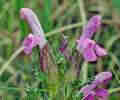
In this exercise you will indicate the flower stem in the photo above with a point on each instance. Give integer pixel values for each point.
(6, 64)
(82, 12)
(71, 26)
(115, 73)
(114, 90)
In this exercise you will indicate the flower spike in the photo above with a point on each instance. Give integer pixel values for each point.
(47, 59)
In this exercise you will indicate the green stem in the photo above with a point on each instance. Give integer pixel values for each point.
(6, 64)
(114, 90)
(71, 26)
(85, 71)
(9, 88)
(82, 12)
(115, 74)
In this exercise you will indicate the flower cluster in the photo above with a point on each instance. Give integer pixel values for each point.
(91, 90)
(85, 46)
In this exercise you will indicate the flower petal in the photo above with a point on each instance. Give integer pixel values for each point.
(83, 44)
(27, 40)
(102, 77)
(102, 93)
(90, 96)
(100, 51)
(27, 50)
(92, 25)
(35, 41)
(28, 15)
(30, 42)
(87, 89)
(89, 53)
(86, 46)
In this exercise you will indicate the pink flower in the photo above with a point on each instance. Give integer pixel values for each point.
(92, 90)
(28, 15)
(87, 46)
(30, 42)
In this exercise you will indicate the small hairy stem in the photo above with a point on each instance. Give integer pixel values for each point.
(49, 65)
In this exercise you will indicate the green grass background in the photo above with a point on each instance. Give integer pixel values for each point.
(57, 17)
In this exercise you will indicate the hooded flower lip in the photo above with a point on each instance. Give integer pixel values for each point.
(92, 90)
(28, 15)
(103, 77)
(87, 46)
(92, 25)
(30, 42)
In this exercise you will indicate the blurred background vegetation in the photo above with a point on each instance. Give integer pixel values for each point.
(57, 17)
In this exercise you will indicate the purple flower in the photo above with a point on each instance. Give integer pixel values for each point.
(30, 42)
(92, 90)
(87, 46)
(28, 15)
(64, 48)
